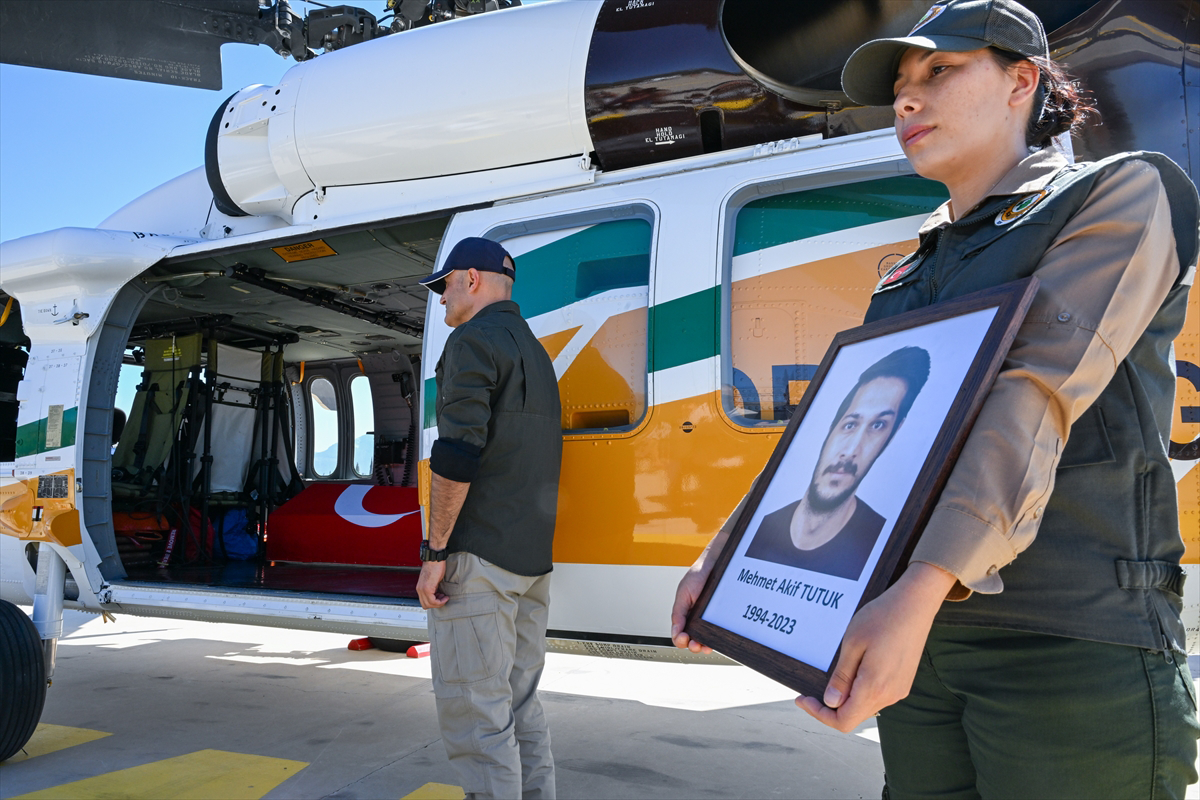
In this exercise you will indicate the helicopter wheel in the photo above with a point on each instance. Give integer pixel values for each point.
(22, 679)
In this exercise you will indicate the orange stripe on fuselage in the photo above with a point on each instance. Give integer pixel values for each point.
(555, 342)
(656, 496)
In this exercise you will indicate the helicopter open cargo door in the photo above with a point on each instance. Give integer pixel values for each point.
(57, 489)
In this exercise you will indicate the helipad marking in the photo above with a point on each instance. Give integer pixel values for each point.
(196, 776)
(436, 791)
(49, 738)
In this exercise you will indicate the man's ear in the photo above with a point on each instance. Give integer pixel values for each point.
(474, 280)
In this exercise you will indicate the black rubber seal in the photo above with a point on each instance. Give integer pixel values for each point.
(212, 169)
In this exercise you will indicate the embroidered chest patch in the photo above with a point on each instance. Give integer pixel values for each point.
(1020, 207)
(897, 273)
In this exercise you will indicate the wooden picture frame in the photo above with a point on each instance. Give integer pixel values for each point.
(784, 610)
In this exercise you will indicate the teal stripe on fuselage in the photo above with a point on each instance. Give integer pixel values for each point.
(785, 218)
(31, 437)
(684, 330)
(540, 287)
(429, 395)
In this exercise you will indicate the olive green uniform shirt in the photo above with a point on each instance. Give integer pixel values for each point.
(499, 429)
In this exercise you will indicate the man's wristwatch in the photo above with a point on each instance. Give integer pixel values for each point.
(429, 554)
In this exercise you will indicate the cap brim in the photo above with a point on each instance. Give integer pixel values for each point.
(870, 72)
(436, 282)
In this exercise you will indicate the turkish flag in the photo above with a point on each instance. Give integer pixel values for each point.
(348, 523)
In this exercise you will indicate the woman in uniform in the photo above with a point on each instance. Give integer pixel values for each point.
(1033, 647)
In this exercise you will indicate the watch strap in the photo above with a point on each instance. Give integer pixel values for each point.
(429, 554)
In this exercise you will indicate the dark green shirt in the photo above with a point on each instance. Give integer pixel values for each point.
(500, 429)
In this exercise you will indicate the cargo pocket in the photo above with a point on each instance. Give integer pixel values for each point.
(1185, 677)
(466, 638)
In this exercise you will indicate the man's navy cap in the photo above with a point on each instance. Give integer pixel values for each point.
(956, 26)
(473, 252)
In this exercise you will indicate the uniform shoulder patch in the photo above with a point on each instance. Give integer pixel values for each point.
(1021, 206)
(898, 272)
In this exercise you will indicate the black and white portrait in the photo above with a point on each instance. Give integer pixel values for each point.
(830, 529)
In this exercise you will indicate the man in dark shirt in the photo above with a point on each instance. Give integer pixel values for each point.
(830, 529)
(485, 576)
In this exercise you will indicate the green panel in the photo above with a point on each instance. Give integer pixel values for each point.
(786, 218)
(685, 330)
(565, 271)
(31, 437)
(429, 401)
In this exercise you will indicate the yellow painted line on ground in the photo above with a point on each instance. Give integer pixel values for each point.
(49, 738)
(436, 791)
(202, 775)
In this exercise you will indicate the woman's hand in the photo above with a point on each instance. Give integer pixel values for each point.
(881, 649)
(689, 590)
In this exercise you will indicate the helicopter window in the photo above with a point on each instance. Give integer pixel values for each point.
(363, 408)
(127, 382)
(324, 427)
(802, 268)
(585, 290)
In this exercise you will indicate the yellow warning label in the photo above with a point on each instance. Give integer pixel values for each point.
(305, 250)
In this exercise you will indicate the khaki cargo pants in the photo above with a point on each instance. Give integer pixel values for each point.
(488, 651)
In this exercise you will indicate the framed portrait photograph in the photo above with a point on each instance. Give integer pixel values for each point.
(836, 512)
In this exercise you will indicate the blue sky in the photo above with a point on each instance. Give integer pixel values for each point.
(75, 148)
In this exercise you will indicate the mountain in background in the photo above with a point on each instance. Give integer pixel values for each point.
(325, 462)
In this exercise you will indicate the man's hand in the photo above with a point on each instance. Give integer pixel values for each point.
(881, 649)
(689, 590)
(432, 573)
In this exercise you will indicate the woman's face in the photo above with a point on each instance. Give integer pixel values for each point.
(958, 111)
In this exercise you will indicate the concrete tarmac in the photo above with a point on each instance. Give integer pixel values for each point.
(154, 708)
(197, 709)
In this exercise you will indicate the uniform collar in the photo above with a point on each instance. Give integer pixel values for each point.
(1031, 174)
(499, 307)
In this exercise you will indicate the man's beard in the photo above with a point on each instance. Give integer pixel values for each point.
(823, 505)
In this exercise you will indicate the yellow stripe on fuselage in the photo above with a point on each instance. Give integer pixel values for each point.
(655, 496)
(1187, 396)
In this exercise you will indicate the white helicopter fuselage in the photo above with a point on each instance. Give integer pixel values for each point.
(684, 260)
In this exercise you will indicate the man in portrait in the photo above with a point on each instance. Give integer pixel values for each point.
(830, 529)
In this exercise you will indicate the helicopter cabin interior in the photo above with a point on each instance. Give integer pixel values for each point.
(265, 425)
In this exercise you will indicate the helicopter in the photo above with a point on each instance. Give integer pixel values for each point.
(218, 403)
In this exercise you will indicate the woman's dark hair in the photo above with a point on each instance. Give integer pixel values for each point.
(1059, 106)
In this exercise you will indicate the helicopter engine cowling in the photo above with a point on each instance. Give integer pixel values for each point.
(473, 94)
(625, 82)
